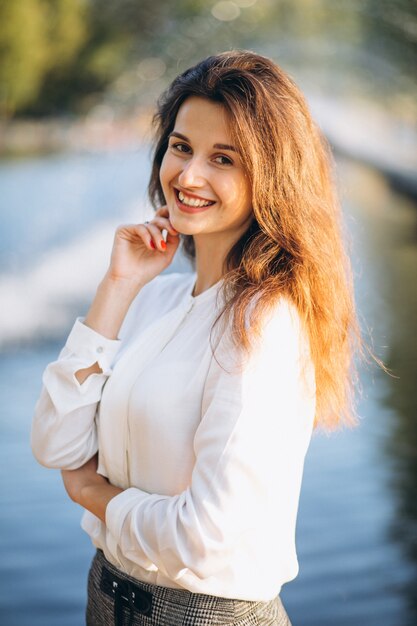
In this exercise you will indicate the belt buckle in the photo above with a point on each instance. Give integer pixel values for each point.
(114, 586)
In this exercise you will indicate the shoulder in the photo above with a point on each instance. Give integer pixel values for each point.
(282, 353)
(278, 361)
(279, 323)
(285, 345)
(278, 334)
(282, 321)
(281, 333)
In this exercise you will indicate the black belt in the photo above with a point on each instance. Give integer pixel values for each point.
(125, 594)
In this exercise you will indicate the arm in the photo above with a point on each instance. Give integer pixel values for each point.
(106, 315)
(82, 482)
(249, 447)
(63, 429)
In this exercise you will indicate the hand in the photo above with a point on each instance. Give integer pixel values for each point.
(84, 476)
(139, 251)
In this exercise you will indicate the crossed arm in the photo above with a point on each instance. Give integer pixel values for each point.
(89, 489)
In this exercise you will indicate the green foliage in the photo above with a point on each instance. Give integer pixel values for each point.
(60, 55)
(24, 52)
(37, 38)
(66, 30)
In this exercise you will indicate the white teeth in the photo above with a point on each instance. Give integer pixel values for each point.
(192, 201)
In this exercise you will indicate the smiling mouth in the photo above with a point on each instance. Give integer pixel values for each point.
(192, 202)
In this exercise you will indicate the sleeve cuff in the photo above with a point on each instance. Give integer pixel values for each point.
(91, 347)
(120, 506)
(117, 511)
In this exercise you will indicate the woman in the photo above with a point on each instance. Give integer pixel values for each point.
(181, 408)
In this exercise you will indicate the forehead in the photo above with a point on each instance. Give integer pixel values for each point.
(203, 117)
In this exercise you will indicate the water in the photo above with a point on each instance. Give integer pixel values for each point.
(357, 520)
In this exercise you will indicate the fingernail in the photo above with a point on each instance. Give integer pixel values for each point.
(152, 244)
(163, 245)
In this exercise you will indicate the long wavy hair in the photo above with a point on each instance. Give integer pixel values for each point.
(295, 243)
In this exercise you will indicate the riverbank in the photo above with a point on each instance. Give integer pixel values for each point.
(367, 133)
(100, 131)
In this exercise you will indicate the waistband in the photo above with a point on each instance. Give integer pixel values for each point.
(133, 596)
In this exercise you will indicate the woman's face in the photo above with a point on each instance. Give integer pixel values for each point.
(204, 184)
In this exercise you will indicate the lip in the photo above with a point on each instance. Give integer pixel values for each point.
(193, 195)
(190, 209)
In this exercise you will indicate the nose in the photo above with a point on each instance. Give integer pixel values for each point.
(192, 174)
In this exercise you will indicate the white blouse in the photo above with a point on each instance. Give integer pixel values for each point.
(210, 455)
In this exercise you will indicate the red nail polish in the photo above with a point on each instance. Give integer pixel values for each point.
(152, 244)
(163, 245)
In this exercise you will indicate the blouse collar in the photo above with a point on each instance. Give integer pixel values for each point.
(205, 296)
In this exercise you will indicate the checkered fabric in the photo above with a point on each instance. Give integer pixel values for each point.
(167, 607)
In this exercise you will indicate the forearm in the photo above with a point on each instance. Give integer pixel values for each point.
(95, 498)
(107, 312)
(110, 305)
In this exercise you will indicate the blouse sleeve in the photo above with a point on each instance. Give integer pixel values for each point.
(63, 432)
(249, 448)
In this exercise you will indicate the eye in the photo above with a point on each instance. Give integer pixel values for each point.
(180, 147)
(225, 161)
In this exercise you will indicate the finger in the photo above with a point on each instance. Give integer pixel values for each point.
(163, 211)
(172, 241)
(143, 232)
(172, 237)
(157, 236)
(164, 224)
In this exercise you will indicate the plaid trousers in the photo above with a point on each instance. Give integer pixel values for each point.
(115, 599)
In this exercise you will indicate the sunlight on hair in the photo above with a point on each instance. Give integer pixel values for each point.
(294, 248)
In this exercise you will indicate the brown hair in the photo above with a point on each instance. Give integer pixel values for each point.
(294, 245)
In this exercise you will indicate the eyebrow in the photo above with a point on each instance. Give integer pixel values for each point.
(218, 146)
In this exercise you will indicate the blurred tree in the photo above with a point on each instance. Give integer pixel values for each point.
(38, 40)
(391, 31)
(66, 30)
(113, 34)
(23, 53)
(62, 55)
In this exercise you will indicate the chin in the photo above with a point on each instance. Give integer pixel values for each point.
(181, 222)
(183, 230)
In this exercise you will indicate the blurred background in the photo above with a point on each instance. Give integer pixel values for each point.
(78, 83)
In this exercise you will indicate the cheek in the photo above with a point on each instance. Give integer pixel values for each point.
(245, 193)
(238, 195)
(229, 191)
(166, 171)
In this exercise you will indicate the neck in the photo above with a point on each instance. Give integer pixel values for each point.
(209, 262)
(211, 250)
